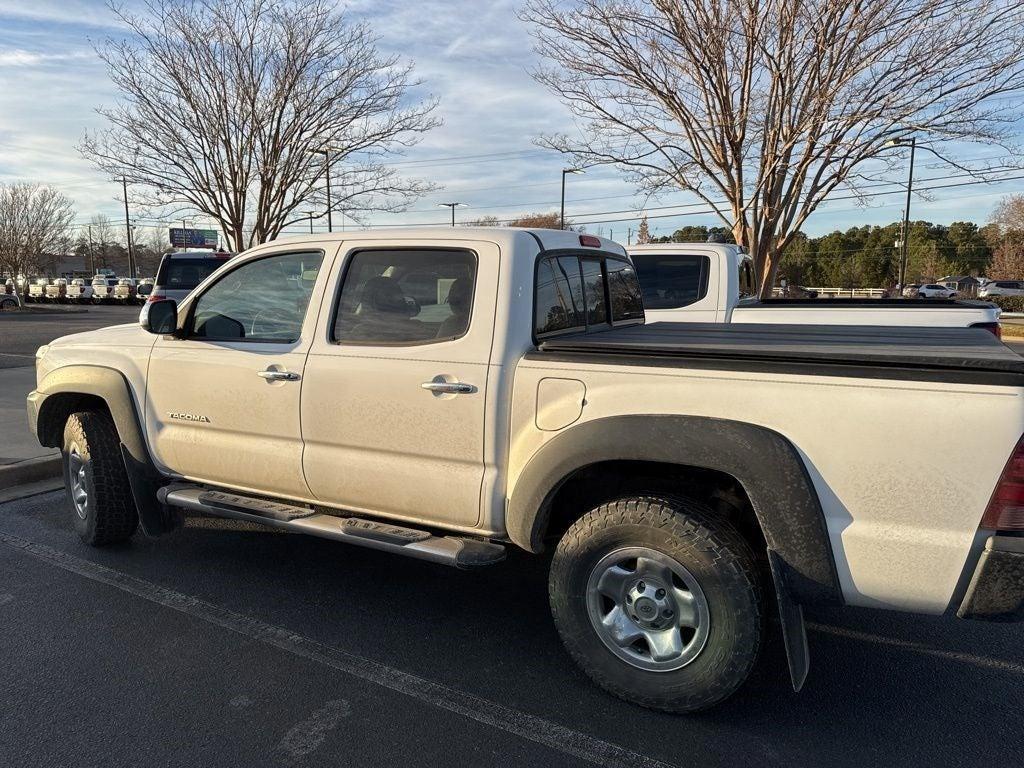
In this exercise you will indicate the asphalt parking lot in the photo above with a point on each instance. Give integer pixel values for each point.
(226, 644)
(22, 333)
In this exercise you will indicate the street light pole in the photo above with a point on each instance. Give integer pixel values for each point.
(453, 206)
(565, 172)
(310, 214)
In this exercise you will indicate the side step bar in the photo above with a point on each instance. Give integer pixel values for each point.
(456, 551)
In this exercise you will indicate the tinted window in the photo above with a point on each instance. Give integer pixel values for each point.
(559, 300)
(623, 291)
(672, 281)
(405, 297)
(748, 285)
(263, 300)
(185, 274)
(593, 290)
(1007, 285)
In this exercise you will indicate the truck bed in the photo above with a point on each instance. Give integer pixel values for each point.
(947, 354)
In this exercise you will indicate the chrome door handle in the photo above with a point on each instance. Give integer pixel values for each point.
(448, 387)
(278, 375)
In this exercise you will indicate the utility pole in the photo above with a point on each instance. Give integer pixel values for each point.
(453, 206)
(565, 172)
(905, 238)
(128, 229)
(310, 214)
(906, 214)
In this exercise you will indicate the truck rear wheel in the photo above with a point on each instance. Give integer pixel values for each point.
(95, 480)
(658, 602)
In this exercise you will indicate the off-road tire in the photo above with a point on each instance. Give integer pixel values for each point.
(110, 516)
(704, 544)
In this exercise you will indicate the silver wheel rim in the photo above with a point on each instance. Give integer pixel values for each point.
(647, 609)
(76, 477)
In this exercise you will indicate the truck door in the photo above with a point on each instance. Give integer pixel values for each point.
(393, 403)
(223, 402)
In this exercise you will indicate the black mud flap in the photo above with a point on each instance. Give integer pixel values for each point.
(156, 518)
(791, 616)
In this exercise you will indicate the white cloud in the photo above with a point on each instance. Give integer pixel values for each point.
(22, 58)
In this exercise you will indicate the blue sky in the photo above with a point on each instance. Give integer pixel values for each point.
(475, 57)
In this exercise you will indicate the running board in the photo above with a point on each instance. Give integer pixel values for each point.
(456, 551)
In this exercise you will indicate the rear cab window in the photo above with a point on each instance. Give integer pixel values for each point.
(584, 291)
(672, 281)
(747, 278)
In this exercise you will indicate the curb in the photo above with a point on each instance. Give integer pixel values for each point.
(30, 471)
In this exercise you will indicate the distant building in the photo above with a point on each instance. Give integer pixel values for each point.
(963, 284)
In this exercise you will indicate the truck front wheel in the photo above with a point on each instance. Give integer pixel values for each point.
(658, 601)
(95, 480)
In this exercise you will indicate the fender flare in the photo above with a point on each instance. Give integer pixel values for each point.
(58, 390)
(764, 462)
(108, 384)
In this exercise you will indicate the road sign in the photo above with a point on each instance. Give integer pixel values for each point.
(193, 238)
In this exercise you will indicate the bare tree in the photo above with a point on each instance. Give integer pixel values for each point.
(228, 106)
(1008, 254)
(539, 221)
(484, 221)
(104, 238)
(1008, 215)
(34, 220)
(761, 108)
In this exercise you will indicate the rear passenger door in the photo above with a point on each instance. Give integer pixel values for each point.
(393, 402)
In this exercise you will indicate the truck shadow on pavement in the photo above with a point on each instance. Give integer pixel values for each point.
(884, 689)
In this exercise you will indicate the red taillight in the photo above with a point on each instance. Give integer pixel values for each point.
(590, 241)
(1006, 508)
(155, 297)
(993, 328)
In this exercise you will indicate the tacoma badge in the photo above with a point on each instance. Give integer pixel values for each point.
(188, 417)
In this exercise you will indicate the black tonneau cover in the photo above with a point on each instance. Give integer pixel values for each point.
(965, 350)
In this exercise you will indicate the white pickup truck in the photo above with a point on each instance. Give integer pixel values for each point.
(716, 283)
(445, 395)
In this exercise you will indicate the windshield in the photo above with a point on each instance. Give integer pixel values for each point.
(185, 274)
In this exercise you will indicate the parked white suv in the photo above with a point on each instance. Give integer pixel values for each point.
(181, 271)
(935, 291)
(447, 394)
(1002, 288)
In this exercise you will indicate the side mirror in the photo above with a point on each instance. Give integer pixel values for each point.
(160, 317)
(145, 289)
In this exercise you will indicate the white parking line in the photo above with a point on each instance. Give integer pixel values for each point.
(526, 726)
